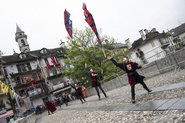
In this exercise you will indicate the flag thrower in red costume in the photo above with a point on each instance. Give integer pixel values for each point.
(89, 19)
(68, 23)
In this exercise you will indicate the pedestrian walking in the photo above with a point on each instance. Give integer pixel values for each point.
(49, 105)
(141, 56)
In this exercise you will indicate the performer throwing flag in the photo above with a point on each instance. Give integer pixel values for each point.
(95, 83)
(133, 77)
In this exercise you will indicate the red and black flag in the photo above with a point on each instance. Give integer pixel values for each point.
(89, 19)
(32, 82)
(53, 60)
(68, 23)
(47, 64)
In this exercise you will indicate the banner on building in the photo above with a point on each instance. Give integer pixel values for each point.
(34, 92)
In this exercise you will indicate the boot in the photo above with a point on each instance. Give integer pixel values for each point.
(149, 91)
(133, 101)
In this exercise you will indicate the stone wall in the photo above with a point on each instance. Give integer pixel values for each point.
(171, 63)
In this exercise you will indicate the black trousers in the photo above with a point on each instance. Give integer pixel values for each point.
(49, 112)
(133, 88)
(97, 90)
(65, 101)
(81, 97)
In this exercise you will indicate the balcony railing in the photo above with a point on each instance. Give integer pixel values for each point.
(53, 72)
(58, 86)
(22, 85)
(177, 46)
(29, 70)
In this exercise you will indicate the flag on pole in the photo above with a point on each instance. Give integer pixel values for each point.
(68, 23)
(6, 90)
(3, 86)
(47, 64)
(53, 60)
(89, 19)
(1, 90)
(11, 92)
(32, 82)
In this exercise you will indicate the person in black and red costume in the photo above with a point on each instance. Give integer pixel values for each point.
(49, 105)
(94, 81)
(133, 77)
(78, 92)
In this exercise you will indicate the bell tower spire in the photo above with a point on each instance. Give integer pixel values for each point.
(21, 38)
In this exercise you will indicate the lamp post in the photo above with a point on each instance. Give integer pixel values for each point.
(16, 99)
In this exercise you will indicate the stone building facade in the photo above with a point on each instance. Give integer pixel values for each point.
(34, 74)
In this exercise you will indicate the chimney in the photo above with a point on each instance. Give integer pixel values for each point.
(146, 31)
(143, 36)
(129, 45)
(153, 30)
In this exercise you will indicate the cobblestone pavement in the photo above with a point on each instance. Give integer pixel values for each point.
(81, 113)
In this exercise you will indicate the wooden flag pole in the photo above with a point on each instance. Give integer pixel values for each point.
(102, 47)
(104, 52)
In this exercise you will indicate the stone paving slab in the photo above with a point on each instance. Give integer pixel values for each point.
(107, 108)
(180, 104)
(124, 107)
(176, 85)
(147, 106)
(168, 104)
(170, 87)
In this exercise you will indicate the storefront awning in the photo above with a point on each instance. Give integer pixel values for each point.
(8, 113)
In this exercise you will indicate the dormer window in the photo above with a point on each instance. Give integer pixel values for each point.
(59, 51)
(22, 56)
(44, 51)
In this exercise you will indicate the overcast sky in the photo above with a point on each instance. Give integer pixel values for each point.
(43, 20)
